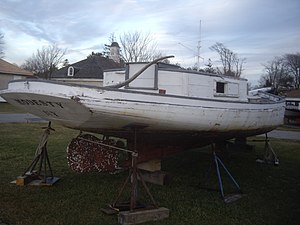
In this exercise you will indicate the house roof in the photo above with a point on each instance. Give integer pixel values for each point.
(91, 67)
(8, 68)
(293, 94)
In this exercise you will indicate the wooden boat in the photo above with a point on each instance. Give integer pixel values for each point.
(171, 107)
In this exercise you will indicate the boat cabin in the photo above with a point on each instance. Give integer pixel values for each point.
(170, 79)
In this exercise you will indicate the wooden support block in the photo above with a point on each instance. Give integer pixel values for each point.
(157, 177)
(24, 180)
(34, 180)
(142, 216)
(152, 165)
(21, 180)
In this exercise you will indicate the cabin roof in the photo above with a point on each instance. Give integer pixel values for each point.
(91, 67)
(202, 73)
(176, 68)
(11, 69)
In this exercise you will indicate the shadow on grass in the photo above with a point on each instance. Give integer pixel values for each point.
(272, 193)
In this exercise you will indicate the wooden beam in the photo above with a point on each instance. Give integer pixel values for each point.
(157, 177)
(142, 216)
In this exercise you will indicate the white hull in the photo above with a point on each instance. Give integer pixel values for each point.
(164, 117)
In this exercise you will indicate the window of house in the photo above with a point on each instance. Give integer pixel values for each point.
(71, 71)
(220, 87)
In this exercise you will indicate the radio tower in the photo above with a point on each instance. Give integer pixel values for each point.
(198, 47)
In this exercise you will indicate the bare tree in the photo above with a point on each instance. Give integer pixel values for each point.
(292, 62)
(45, 61)
(138, 47)
(232, 64)
(209, 67)
(1, 45)
(276, 75)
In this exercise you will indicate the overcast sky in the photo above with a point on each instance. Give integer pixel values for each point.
(257, 30)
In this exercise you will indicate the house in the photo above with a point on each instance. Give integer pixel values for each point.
(90, 70)
(292, 109)
(10, 72)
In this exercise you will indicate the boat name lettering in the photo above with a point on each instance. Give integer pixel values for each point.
(50, 113)
(39, 102)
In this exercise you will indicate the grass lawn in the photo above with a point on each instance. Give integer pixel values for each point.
(271, 193)
(8, 108)
(295, 128)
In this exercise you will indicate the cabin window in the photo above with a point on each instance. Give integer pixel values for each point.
(220, 88)
(226, 89)
(71, 71)
(292, 103)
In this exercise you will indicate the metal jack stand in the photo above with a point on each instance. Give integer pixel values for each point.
(135, 212)
(134, 174)
(217, 162)
(38, 177)
(270, 156)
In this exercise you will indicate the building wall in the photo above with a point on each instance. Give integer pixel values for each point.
(4, 79)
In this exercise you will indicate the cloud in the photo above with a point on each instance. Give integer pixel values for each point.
(255, 29)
